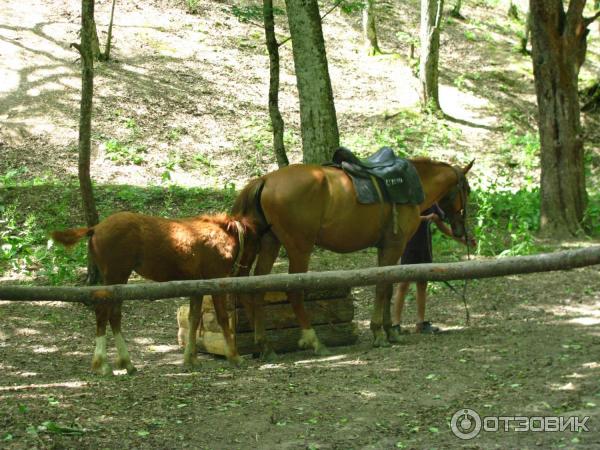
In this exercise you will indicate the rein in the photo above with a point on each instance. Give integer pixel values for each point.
(460, 189)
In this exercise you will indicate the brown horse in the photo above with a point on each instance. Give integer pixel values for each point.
(163, 250)
(301, 206)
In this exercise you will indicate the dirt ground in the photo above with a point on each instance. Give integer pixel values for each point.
(531, 349)
(186, 95)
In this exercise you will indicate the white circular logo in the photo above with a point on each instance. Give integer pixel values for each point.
(465, 424)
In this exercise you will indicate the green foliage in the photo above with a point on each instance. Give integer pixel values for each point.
(193, 6)
(25, 247)
(122, 153)
(126, 151)
(409, 133)
(505, 221)
(349, 6)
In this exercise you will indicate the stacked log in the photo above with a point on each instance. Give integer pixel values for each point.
(331, 313)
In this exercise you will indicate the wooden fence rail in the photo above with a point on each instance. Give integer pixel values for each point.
(545, 262)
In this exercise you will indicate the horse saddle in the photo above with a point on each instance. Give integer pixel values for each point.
(381, 177)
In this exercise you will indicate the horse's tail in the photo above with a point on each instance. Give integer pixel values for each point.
(247, 204)
(72, 236)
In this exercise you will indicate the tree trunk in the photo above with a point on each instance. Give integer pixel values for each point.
(431, 18)
(455, 12)
(273, 49)
(369, 28)
(106, 55)
(558, 50)
(526, 34)
(468, 270)
(320, 137)
(85, 124)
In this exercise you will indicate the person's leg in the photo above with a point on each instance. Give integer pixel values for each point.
(421, 300)
(399, 302)
(423, 326)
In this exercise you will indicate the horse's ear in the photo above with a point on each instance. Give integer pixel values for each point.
(468, 167)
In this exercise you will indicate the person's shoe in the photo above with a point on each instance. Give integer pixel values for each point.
(427, 328)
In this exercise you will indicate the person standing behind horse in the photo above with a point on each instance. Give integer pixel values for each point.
(418, 251)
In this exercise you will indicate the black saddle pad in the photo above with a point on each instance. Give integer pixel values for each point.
(397, 178)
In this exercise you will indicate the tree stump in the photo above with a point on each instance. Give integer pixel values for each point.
(331, 313)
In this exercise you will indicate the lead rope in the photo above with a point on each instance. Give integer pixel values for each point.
(235, 270)
(463, 200)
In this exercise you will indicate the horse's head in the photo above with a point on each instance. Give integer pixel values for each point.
(454, 203)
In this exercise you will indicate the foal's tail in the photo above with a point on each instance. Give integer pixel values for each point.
(71, 237)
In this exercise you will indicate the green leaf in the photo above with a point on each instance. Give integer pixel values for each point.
(434, 430)
(53, 427)
(7, 437)
(143, 433)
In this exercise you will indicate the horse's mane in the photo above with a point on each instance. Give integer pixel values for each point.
(227, 222)
(426, 160)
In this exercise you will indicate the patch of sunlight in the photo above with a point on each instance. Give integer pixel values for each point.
(464, 105)
(41, 73)
(10, 80)
(27, 332)
(586, 321)
(271, 366)
(585, 314)
(591, 365)
(575, 375)
(163, 348)
(143, 341)
(367, 394)
(28, 374)
(66, 384)
(563, 387)
(326, 358)
(42, 349)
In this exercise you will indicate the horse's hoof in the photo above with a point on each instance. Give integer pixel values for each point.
(393, 336)
(236, 361)
(380, 339)
(125, 364)
(191, 364)
(268, 355)
(321, 350)
(103, 370)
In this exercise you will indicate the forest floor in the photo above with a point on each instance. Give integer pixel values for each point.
(184, 104)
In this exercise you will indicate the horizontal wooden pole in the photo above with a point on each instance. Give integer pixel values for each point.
(545, 262)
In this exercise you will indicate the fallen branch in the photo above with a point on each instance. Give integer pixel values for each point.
(546, 262)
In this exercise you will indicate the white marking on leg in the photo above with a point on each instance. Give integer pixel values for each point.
(122, 352)
(100, 361)
(308, 339)
(100, 352)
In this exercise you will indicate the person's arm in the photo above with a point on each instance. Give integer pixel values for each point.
(441, 225)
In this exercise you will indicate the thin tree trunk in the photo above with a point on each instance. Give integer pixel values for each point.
(106, 55)
(431, 18)
(320, 136)
(95, 42)
(559, 45)
(527, 33)
(85, 124)
(313, 281)
(455, 12)
(369, 28)
(273, 49)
